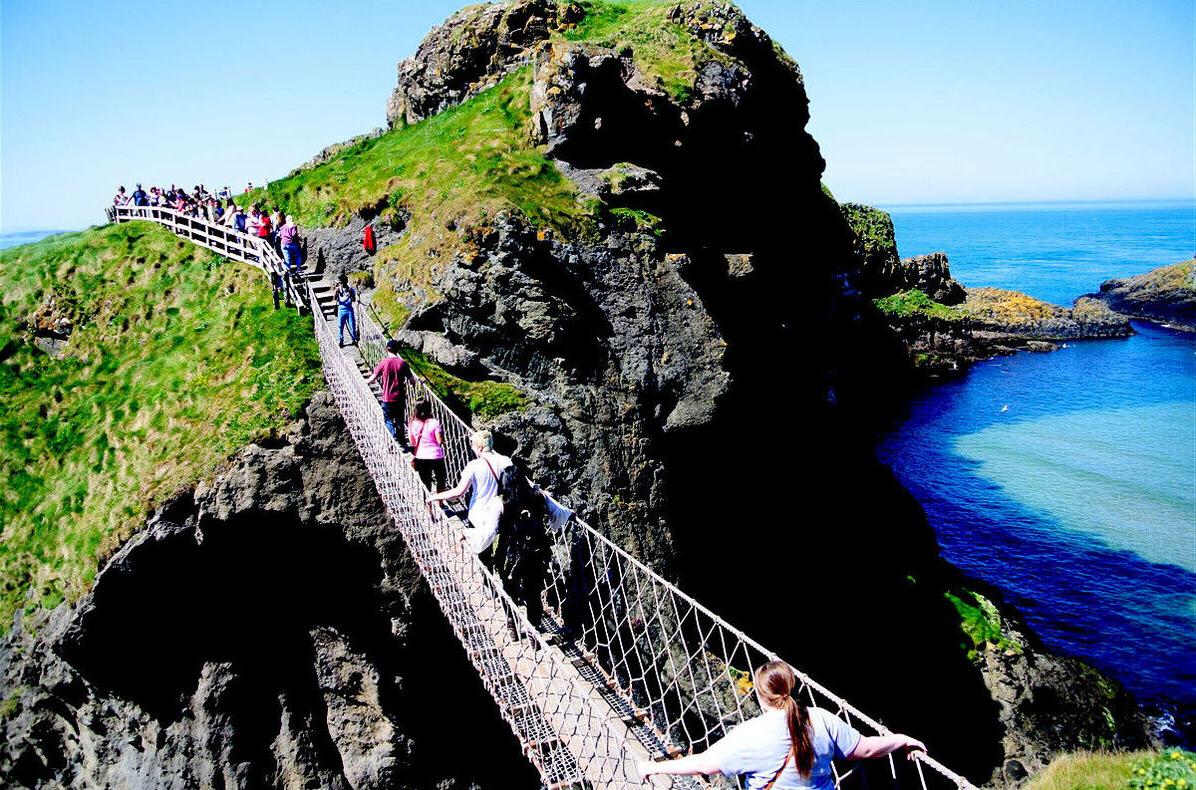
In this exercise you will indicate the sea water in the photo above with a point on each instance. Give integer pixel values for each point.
(17, 238)
(1068, 479)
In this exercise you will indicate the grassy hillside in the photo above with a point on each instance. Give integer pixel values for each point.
(663, 50)
(1172, 769)
(460, 167)
(177, 359)
(450, 171)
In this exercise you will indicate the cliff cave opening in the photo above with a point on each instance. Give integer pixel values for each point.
(248, 597)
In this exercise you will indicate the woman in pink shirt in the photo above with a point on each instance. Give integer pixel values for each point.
(427, 442)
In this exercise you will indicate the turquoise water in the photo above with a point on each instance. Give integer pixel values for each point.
(1068, 479)
(1124, 489)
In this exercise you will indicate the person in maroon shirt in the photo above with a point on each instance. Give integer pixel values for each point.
(392, 373)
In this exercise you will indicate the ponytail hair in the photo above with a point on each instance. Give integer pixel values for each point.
(775, 683)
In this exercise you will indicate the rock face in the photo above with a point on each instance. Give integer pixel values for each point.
(259, 633)
(1011, 317)
(471, 51)
(702, 307)
(328, 152)
(1166, 295)
(930, 274)
(1046, 700)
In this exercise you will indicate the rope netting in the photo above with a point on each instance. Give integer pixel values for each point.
(624, 666)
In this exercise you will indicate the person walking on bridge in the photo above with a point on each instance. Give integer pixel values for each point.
(789, 745)
(392, 373)
(426, 437)
(346, 303)
(480, 479)
(524, 547)
(139, 197)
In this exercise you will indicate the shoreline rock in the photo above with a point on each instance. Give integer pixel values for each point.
(1165, 295)
(266, 629)
(945, 327)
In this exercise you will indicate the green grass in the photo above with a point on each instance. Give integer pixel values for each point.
(634, 220)
(873, 227)
(981, 623)
(1171, 769)
(177, 359)
(916, 303)
(449, 172)
(455, 171)
(483, 398)
(663, 50)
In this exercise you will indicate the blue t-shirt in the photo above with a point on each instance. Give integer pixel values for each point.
(758, 748)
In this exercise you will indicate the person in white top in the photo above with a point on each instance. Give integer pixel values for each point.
(788, 746)
(480, 479)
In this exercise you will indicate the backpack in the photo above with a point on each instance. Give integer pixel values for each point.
(524, 543)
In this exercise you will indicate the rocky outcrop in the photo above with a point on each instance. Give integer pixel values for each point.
(471, 51)
(337, 251)
(942, 326)
(875, 244)
(1012, 318)
(260, 632)
(1051, 704)
(702, 307)
(1166, 295)
(930, 274)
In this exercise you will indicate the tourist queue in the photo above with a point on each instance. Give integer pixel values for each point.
(220, 208)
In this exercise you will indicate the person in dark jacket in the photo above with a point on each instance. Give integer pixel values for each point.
(524, 546)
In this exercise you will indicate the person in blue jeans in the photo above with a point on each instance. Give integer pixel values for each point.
(346, 297)
(288, 242)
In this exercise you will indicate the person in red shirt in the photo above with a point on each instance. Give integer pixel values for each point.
(265, 227)
(392, 373)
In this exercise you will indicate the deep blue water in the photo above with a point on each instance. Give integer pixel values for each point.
(1055, 252)
(1068, 479)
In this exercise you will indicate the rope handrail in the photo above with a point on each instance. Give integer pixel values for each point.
(625, 665)
(373, 329)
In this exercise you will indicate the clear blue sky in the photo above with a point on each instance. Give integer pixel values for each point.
(912, 102)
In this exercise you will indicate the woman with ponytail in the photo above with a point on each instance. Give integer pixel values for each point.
(787, 747)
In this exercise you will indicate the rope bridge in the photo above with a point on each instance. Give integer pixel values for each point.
(624, 667)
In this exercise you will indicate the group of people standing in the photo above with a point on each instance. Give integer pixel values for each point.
(278, 230)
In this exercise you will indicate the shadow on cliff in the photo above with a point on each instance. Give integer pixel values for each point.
(249, 594)
(782, 519)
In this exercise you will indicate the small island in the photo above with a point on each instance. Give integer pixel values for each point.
(1166, 295)
(943, 325)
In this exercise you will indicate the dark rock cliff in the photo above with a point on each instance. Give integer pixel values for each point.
(265, 630)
